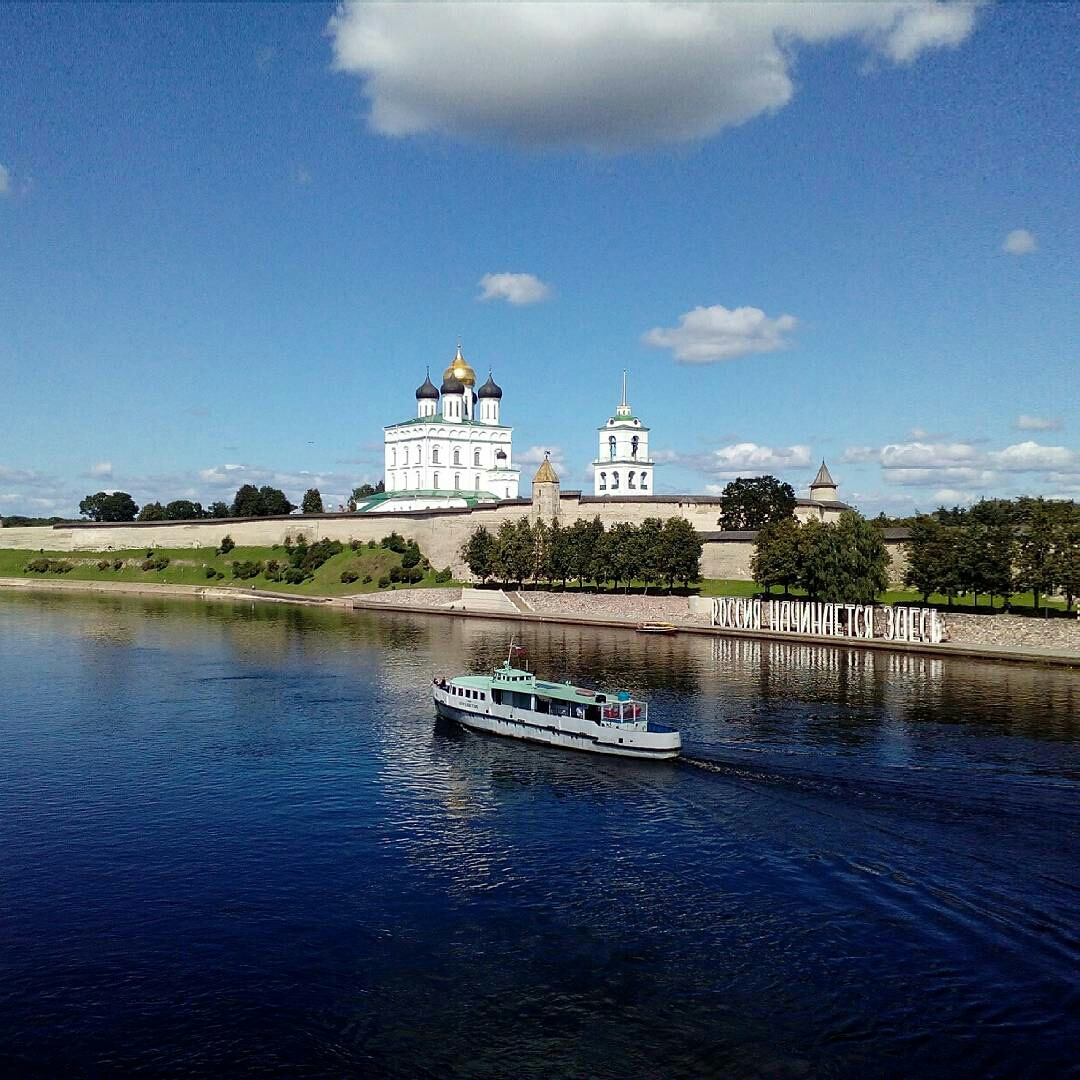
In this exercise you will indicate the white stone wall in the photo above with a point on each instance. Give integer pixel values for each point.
(421, 456)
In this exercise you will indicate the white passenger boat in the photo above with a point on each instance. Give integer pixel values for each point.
(512, 701)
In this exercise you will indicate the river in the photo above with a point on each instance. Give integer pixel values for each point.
(235, 841)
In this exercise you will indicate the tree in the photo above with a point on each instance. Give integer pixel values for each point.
(1067, 555)
(219, 510)
(933, 557)
(183, 510)
(246, 502)
(312, 502)
(260, 502)
(152, 511)
(622, 553)
(753, 501)
(682, 551)
(109, 506)
(1035, 561)
(560, 553)
(846, 562)
(478, 553)
(274, 502)
(777, 558)
(650, 539)
(514, 551)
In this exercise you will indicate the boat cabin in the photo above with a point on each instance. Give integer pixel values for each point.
(522, 690)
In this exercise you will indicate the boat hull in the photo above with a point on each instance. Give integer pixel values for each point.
(565, 731)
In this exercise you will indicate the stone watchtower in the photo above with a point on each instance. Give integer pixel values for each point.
(823, 488)
(545, 492)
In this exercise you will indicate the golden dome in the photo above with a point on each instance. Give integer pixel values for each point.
(459, 369)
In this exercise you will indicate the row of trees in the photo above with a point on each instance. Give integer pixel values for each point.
(655, 552)
(997, 547)
(845, 562)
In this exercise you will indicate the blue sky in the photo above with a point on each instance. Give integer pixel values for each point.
(233, 237)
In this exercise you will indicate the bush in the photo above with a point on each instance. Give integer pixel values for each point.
(104, 564)
(371, 545)
(396, 573)
(412, 575)
(348, 577)
(354, 544)
(48, 566)
(311, 558)
(118, 564)
(150, 553)
(366, 580)
(383, 581)
(220, 575)
(295, 576)
(211, 572)
(227, 545)
(394, 542)
(411, 556)
(157, 562)
(246, 570)
(443, 575)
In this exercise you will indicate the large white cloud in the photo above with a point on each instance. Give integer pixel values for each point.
(606, 76)
(516, 289)
(707, 334)
(1032, 457)
(1019, 242)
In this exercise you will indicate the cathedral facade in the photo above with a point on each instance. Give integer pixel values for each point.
(455, 448)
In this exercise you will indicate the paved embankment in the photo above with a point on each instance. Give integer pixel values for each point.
(991, 637)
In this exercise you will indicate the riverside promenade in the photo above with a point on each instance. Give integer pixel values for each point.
(990, 637)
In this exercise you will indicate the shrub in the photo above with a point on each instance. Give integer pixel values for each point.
(220, 575)
(396, 573)
(118, 564)
(383, 581)
(156, 562)
(354, 544)
(211, 572)
(394, 542)
(367, 579)
(150, 553)
(272, 566)
(295, 576)
(348, 577)
(247, 569)
(371, 545)
(411, 556)
(288, 543)
(311, 558)
(227, 544)
(412, 575)
(443, 575)
(48, 566)
(104, 564)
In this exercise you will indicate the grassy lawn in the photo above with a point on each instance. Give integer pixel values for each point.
(188, 566)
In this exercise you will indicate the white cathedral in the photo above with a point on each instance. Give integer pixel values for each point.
(454, 451)
(623, 466)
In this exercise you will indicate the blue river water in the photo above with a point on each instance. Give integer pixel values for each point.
(234, 841)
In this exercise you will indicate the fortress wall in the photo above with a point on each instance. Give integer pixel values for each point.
(440, 534)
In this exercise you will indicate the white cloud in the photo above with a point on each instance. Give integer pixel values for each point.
(707, 334)
(102, 468)
(5, 180)
(959, 476)
(1038, 423)
(1032, 457)
(952, 496)
(606, 76)
(926, 455)
(1019, 242)
(516, 289)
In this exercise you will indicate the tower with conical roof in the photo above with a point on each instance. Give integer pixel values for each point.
(545, 491)
(623, 466)
(823, 487)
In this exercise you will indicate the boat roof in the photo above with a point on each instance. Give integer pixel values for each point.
(507, 676)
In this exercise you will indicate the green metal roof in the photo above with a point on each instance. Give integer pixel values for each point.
(470, 498)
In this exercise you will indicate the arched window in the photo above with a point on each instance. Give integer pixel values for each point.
(644, 480)
(603, 481)
(457, 456)
(418, 484)
(393, 456)
(633, 446)
(611, 446)
(476, 458)
(476, 483)
(630, 479)
(435, 481)
(434, 455)
(614, 480)
(457, 481)
(404, 480)
(405, 460)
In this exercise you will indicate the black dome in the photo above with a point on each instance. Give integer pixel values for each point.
(453, 385)
(427, 390)
(490, 389)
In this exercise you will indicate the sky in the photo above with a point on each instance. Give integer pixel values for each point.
(233, 239)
